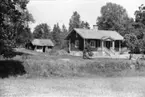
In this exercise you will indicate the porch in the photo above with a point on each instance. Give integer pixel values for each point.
(96, 45)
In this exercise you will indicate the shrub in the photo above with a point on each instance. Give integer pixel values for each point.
(87, 51)
(11, 68)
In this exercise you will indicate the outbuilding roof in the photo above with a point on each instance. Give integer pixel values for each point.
(42, 42)
(98, 34)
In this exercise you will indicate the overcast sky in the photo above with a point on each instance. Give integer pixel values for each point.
(60, 11)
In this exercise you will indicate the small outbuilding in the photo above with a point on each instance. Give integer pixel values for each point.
(42, 45)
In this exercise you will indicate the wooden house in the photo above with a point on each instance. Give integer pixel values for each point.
(102, 42)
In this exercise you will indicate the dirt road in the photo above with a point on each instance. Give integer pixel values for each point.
(73, 87)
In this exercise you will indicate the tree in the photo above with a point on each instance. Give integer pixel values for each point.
(87, 25)
(12, 19)
(132, 43)
(42, 31)
(24, 34)
(74, 21)
(140, 27)
(63, 34)
(140, 21)
(113, 17)
(140, 14)
(28, 18)
(64, 29)
(56, 34)
(84, 25)
(135, 39)
(142, 46)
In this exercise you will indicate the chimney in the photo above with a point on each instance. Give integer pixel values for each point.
(95, 27)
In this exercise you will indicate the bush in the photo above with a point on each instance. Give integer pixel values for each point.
(87, 53)
(11, 68)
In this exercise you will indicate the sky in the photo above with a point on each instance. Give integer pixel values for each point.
(60, 11)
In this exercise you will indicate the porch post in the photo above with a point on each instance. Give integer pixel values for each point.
(84, 43)
(102, 45)
(69, 45)
(113, 44)
(35, 48)
(119, 46)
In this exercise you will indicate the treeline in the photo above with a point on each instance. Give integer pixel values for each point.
(15, 30)
(115, 17)
(14, 24)
(57, 34)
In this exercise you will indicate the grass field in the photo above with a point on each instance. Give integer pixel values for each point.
(35, 64)
(35, 74)
(74, 87)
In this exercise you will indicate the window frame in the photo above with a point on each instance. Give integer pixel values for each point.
(77, 43)
(94, 44)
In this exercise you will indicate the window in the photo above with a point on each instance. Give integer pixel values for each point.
(76, 35)
(77, 44)
(39, 47)
(98, 43)
(93, 44)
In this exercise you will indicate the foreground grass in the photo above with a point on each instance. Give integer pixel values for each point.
(74, 87)
(44, 65)
(33, 64)
(64, 66)
(69, 76)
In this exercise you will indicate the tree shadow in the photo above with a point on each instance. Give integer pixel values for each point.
(11, 68)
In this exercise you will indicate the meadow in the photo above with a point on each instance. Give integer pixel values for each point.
(73, 87)
(34, 64)
(33, 74)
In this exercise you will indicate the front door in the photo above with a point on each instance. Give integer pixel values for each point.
(108, 44)
(44, 48)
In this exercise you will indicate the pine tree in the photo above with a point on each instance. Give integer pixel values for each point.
(56, 34)
(74, 21)
(85, 25)
(63, 35)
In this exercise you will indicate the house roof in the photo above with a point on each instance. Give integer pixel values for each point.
(42, 42)
(98, 34)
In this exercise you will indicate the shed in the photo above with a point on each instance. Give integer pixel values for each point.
(42, 45)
